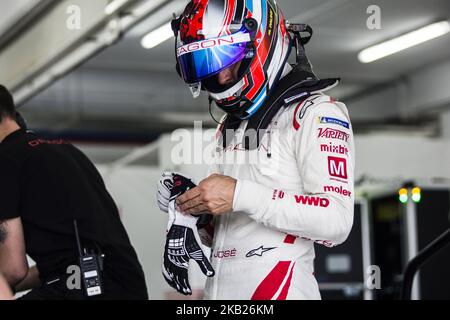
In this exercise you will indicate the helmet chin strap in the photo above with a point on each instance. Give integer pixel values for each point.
(195, 88)
(228, 93)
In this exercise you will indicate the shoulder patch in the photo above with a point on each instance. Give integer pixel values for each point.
(301, 109)
(330, 120)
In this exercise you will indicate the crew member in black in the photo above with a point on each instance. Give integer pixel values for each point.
(44, 186)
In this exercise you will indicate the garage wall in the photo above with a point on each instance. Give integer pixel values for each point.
(405, 157)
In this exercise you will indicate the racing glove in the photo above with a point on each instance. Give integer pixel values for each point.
(164, 188)
(205, 221)
(182, 242)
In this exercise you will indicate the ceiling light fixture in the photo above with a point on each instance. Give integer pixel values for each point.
(157, 36)
(405, 41)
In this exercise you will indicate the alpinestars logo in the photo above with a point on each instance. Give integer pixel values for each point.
(300, 114)
(333, 134)
(312, 201)
(258, 252)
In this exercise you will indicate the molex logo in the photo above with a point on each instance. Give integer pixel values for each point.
(337, 167)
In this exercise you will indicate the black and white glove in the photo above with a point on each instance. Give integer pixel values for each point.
(165, 185)
(182, 242)
(164, 189)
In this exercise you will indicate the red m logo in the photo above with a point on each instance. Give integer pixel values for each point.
(337, 167)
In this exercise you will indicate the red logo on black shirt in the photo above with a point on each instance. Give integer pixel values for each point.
(38, 142)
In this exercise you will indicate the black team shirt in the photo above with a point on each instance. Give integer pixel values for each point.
(48, 184)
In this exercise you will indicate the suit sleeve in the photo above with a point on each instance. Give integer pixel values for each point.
(322, 142)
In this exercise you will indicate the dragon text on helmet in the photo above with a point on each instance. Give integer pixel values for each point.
(215, 42)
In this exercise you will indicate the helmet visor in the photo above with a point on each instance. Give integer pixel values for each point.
(202, 59)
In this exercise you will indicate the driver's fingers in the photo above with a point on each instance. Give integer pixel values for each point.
(188, 196)
(198, 209)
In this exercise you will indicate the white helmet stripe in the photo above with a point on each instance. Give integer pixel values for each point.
(228, 93)
(257, 10)
(211, 25)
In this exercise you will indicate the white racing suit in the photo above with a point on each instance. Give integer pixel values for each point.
(294, 190)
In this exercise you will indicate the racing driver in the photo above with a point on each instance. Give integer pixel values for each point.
(296, 186)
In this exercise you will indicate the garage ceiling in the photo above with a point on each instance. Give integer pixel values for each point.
(340, 33)
(14, 10)
(127, 87)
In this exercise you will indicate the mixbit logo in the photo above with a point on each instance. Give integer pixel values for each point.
(333, 134)
(312, 201)
(331, 148)
(337, 167)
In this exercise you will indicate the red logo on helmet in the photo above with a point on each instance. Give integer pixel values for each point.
(192, 21)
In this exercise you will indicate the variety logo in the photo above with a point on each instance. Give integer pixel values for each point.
(339, 122)
(333, 134)
(339, 190)
(258, 252)
(312, 201)
(331, 148)
(337, 167)
(211, 43)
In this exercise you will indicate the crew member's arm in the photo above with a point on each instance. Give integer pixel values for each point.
(13, 261)
(5, 291)
(323, 147)
(31, 281)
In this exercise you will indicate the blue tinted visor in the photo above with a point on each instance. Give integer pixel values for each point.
(203, 59)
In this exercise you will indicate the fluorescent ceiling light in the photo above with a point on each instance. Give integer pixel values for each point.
(114, 5)
(157, 36)
(403, 42)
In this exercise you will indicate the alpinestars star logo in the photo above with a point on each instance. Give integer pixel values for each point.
(168, 184)
(258, 252)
